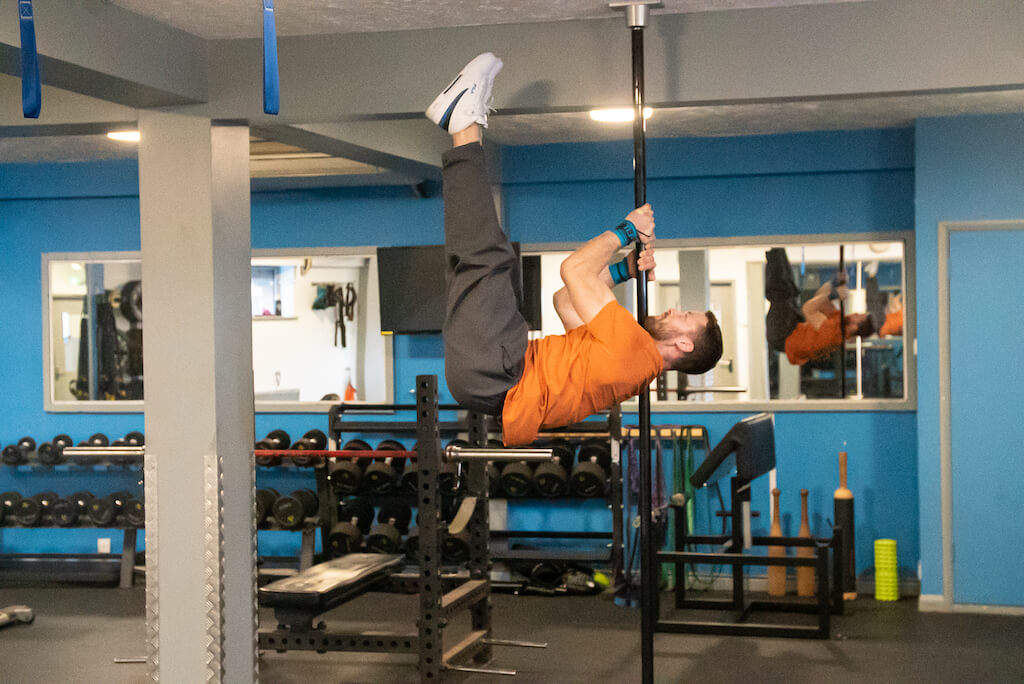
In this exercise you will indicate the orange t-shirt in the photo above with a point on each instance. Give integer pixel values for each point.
(569, 377)
(805, 343)
(893, 324)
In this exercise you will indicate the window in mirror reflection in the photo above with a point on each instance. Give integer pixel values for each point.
(315, 330)
(731, 280)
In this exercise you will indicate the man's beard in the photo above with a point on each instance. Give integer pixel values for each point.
(658, 330)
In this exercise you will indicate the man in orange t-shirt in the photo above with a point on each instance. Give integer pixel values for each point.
(813, 333)
(605, 355)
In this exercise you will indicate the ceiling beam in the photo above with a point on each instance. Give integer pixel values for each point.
(815, 51)
(98, 49)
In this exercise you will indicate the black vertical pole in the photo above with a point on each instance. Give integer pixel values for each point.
(842, 331)
(636, 18)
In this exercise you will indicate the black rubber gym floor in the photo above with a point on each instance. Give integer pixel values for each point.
(79, 630)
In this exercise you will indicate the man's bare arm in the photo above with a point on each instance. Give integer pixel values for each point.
(563, 303)
(585, 271)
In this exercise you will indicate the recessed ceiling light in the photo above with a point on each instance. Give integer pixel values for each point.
(124, 136)
(617, 115)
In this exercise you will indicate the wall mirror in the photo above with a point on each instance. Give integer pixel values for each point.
(316, 333)
(729, 276)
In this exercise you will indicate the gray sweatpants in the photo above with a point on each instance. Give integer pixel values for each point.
(484, 332)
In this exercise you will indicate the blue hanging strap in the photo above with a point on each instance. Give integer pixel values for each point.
(271, 84)
(31, 97)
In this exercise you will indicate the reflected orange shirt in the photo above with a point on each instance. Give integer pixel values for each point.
(805, 343)
(569, 377)
(893, 324)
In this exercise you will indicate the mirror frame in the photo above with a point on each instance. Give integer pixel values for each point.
(907, 403)
(138, 406)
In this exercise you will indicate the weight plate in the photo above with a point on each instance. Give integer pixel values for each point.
(28, 512)
(379, 478)
(551, 479)
(99, 439)
(399, 512)
(279, 438)
(102, 512)
(589, 479)
(65, 512)
(48, 454)
(62, 440)
(455, 548)
(318, 439)
(12, 455)
(135, 438)
(412, 545)
(597, 448)
(27, 443)
(288, 512)
(135, 512)
(345, 475)
(345, 538)
(516, 479)
(383, 538)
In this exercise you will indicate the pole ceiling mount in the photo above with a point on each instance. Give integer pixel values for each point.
(637, 11)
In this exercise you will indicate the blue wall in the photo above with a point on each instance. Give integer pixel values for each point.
(968, 169)
(792, 184)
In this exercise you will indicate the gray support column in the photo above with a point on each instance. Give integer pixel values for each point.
(194, 211)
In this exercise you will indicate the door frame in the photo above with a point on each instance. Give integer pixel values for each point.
(946, 413)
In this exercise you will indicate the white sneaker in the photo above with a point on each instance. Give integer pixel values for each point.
(466, 99)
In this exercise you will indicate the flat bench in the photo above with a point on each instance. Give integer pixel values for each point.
(299, 599)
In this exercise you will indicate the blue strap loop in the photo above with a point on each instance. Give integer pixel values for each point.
(271, 83)
(31, 95)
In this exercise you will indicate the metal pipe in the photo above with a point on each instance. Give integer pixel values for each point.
(480, 670)
(842, 332)
(513, 642)
(454, 452)
(105, 451)
(636, 19)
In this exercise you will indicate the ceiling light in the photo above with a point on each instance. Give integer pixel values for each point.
(124, 136)
(617, 115)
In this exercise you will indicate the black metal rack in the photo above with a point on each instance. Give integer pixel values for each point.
(828, 597)
(441, 592)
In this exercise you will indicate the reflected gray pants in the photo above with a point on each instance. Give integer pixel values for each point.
(780, 289)
(484, 332)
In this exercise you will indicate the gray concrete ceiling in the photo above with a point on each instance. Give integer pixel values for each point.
(766, 81)
(243, 19)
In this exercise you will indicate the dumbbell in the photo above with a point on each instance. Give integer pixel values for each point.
(314, 440)
(134, 511)
(354, 520)
(103, 511)
(132, 439)
(67, 510)
(16, 454)
(380, 475)
(29, 511)
(346, 474)
(8, 500)
(276, 440)
(392, 522)
(552, 479)
(516, 479)
(97, 439)
(291, 510)
(590, 476)
(455, 548)
(265, 498)
(52, 452)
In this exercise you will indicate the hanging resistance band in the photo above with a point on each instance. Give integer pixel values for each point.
(31, 96)
(271, 84)
(636, 20)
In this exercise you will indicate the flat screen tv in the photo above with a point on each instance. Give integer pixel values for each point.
(412, 289)
(748, 449)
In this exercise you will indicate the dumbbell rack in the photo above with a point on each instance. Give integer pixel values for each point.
(78, 457)
(610, 428)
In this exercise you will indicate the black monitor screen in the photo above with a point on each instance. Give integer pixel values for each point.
(748, 449)
(412, 289)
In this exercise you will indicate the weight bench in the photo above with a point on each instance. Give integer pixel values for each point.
(299, 599)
